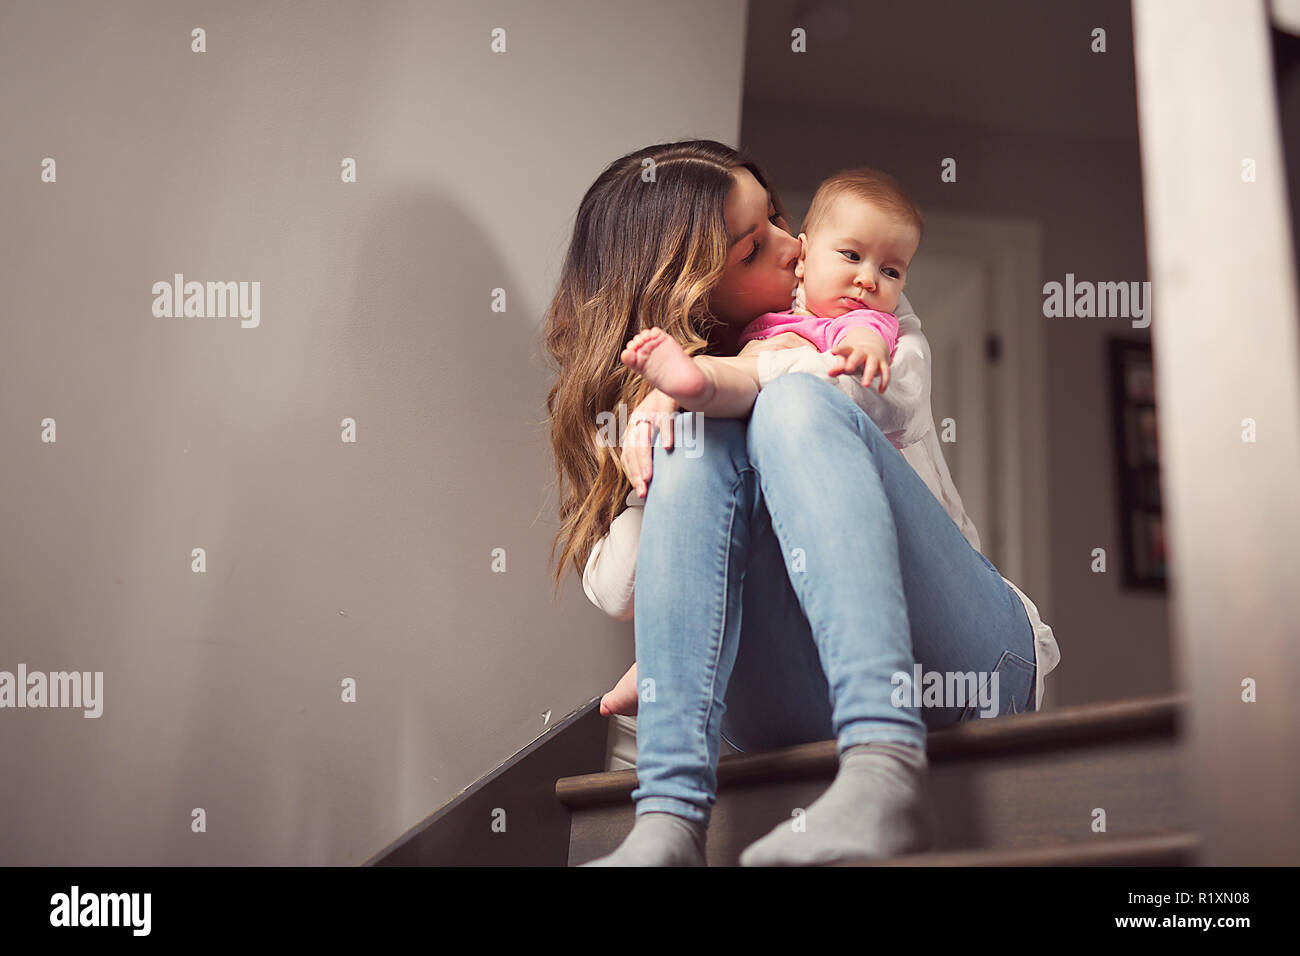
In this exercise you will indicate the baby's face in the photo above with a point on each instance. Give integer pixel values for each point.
(857, 259)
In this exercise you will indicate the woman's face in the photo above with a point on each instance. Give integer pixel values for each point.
(761, 256)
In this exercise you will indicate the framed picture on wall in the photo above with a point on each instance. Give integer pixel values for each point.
(1137, 465)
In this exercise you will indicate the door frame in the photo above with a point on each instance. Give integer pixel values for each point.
(1207, 100)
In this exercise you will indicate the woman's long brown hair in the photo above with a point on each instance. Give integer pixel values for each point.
(649, 244)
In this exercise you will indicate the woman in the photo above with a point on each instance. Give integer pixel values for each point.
(793, 566)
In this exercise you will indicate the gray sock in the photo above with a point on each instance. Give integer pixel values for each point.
(876, 808)
(659, 839)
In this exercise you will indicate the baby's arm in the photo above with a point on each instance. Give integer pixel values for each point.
(883, 324)
(735, 385)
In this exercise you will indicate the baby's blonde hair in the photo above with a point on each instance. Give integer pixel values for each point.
(870, 185)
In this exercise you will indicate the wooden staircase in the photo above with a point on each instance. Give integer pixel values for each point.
(1019, 790)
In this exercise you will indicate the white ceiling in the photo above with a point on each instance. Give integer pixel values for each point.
(1013, 64)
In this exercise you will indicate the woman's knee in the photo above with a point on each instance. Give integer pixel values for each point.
(790, 404)
(788, 398)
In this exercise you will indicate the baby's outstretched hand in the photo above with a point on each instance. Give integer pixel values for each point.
(855, 351)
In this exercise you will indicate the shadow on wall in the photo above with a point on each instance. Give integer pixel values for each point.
(372, 559)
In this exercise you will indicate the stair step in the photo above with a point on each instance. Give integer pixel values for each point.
(1070, 726)
(1157, 849)
(1015, 782)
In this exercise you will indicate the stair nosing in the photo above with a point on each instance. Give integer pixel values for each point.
(1083, 725)
(1178, 848)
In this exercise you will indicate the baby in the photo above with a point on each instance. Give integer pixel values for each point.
(858, 241)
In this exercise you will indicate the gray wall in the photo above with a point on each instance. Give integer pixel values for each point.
(325, 560)
(1042, 129)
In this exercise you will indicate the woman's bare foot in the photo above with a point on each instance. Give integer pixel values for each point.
(622, 699)
(656, 355)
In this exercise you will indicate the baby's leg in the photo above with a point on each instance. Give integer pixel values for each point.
(721, 387)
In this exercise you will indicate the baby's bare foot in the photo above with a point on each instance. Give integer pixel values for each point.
(656, 355)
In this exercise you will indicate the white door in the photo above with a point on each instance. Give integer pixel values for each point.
(950, 294)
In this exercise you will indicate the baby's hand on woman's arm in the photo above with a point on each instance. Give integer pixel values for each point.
(859, 347)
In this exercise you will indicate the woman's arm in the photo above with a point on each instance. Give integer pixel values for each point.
(610, 573)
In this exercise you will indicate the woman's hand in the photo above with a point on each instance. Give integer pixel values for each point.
(859, 347)
(637, 455)
(622, 699)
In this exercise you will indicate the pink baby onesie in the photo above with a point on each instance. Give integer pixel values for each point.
(823, 333)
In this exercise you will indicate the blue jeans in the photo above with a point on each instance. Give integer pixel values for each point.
(785, 575)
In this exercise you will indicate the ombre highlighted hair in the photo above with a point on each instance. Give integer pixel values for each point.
(649, 244)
